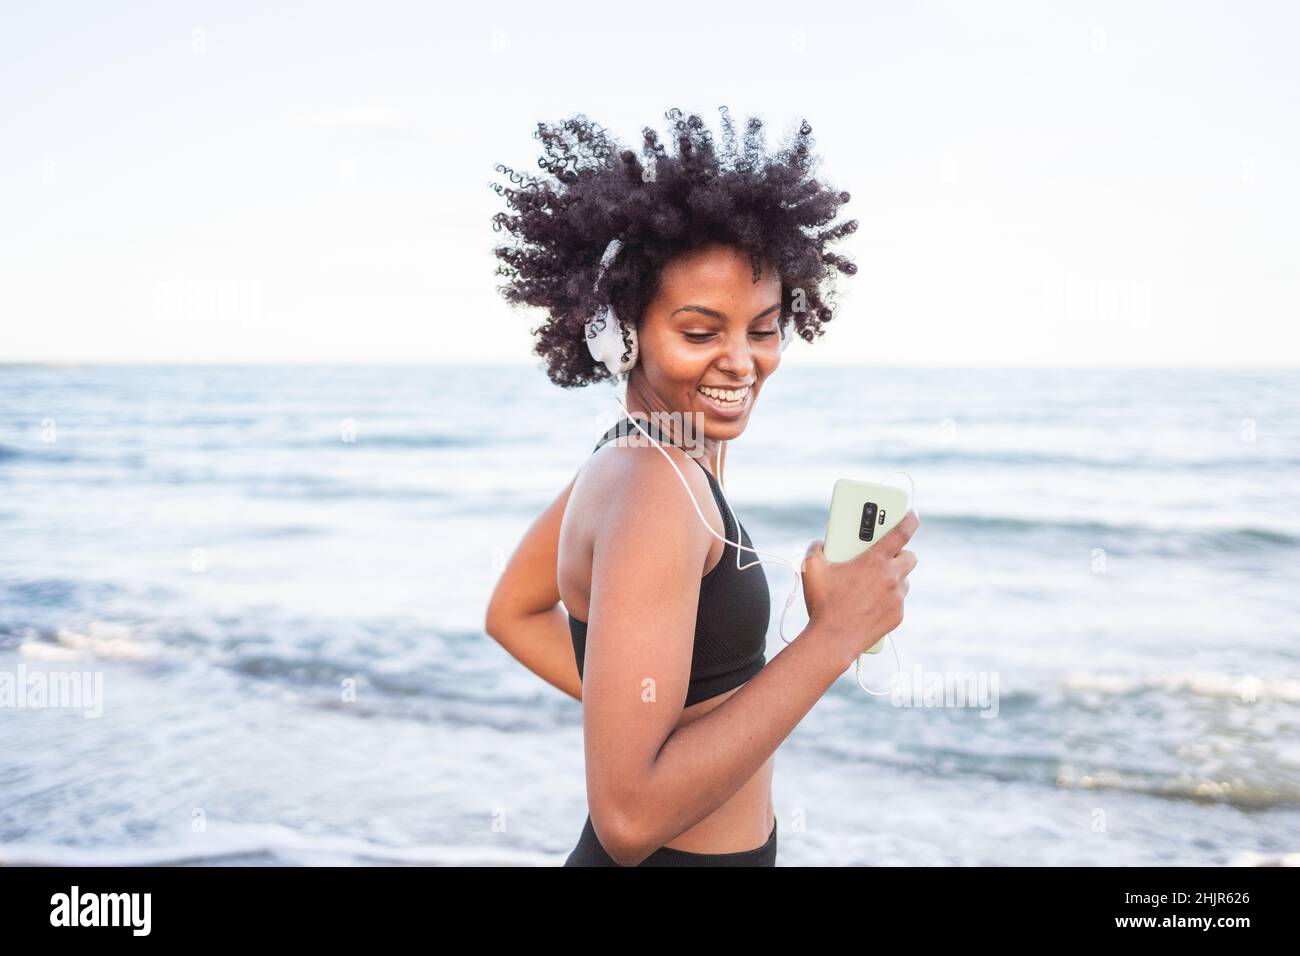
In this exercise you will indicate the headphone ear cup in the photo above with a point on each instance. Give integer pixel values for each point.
(604, 334)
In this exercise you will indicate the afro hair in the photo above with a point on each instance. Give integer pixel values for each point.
(660, 205)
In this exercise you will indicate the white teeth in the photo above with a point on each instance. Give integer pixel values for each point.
(727, 396)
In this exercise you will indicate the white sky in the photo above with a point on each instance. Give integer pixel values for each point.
(1036, 183)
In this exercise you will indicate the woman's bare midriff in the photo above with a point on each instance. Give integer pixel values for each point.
(745, 821)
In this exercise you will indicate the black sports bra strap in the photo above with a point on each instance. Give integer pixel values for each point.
(626, 427)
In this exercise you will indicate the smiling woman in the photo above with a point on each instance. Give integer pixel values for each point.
(662, 205)
(710, 359)
(716, 259)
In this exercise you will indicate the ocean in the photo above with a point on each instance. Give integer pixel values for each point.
(268, 586)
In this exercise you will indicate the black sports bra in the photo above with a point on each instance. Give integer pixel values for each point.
(734, 608)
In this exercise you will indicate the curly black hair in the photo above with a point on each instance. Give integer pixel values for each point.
(660, 206)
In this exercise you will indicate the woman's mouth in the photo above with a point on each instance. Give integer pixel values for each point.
(728, 401)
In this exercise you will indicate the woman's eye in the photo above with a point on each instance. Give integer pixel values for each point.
(705, 336)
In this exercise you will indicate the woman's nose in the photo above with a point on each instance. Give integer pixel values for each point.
(738, 358)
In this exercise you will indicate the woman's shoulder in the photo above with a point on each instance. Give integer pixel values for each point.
(636, 484)
(637, 513)
(641, 472)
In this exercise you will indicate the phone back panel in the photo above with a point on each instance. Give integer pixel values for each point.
(861, 514)
(851, 503)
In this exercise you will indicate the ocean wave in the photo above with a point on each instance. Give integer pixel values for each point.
(298, 485)
(409, 440)
(444, 690)
(52, 592)
(1238, 792)
(1175, 540)
(1255, 858)
(1178, 539)
(100, 638)
(42, 453)
(1248, 787)
(913, 459)
(1208, 737)
(270, 844)
(312, 487)
(1245, 688)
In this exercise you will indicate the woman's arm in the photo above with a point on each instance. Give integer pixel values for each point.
(524, 614)
(647, 779)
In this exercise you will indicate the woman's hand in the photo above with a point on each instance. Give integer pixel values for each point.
(859, 601)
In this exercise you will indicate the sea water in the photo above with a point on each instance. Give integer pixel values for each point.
(278, 576)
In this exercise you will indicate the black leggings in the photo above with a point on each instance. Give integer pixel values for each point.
(589, 852)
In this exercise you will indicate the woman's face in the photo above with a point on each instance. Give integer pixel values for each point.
(710, 328)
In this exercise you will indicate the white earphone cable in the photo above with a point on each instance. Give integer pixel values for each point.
(777, 558)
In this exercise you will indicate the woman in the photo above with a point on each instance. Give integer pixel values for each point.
(716, 256)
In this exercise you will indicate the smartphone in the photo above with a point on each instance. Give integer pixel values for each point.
(861, 514)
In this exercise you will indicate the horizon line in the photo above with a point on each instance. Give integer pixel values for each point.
(433, 363)
(282, 363)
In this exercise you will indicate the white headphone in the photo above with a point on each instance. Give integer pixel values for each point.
(605, 342)
(604, 331)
